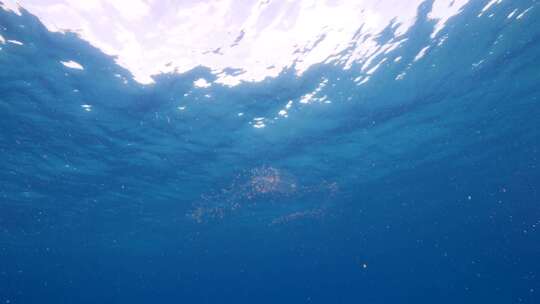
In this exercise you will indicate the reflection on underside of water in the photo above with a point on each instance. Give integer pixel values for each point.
(266, 190)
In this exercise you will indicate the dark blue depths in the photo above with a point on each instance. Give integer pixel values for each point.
(419, 190)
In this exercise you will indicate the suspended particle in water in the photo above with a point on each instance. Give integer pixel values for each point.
(266, 187)
(269, 180)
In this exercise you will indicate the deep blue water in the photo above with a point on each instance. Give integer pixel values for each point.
(422, 190)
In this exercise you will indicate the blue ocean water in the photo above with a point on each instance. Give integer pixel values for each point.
(420, 189)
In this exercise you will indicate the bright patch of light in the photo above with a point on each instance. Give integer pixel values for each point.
(131, 10)
(442, 11)
(362, 80)
(477, 64)
(401, 76)
(421, 54)
(310, 97)
(373, 69)
(512, 13)
(87, 107)
(72, 65)
(524, 12)
(12, 6)
(487, 6)
(259, 37)
(258, 122)
(201, 83)
(306, 98)
(17, 42)
(442, 40)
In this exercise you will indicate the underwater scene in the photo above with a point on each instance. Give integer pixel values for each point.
(270, 151)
